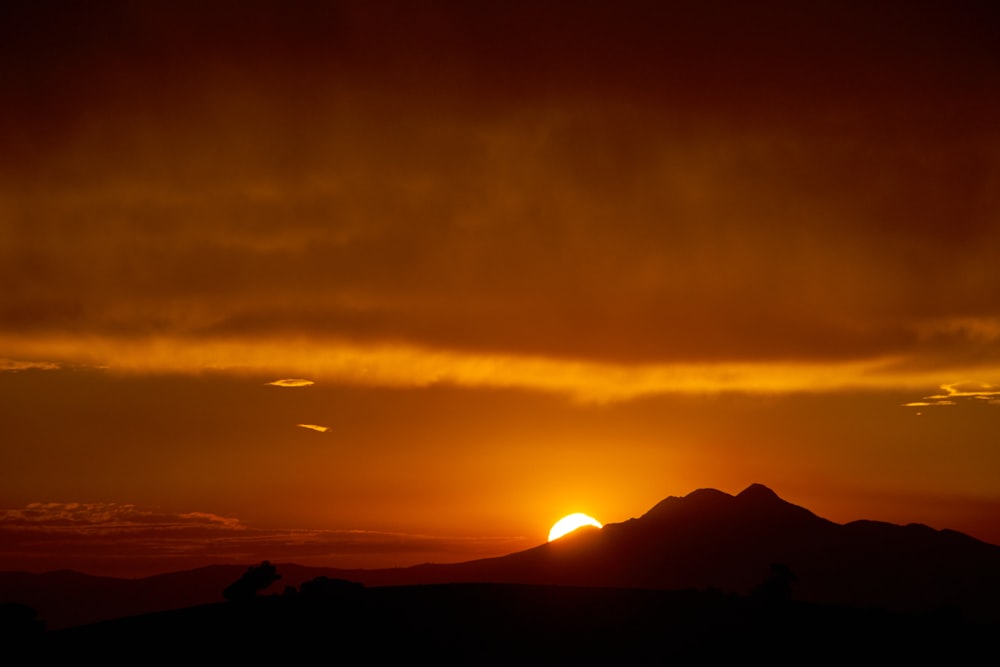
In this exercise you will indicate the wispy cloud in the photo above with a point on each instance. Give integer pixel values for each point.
(960, 391)
(92, 518)
(980, 390)
(19, 365)
(315, 427)
(292, 382)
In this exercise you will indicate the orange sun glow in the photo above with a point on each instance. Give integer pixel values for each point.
(569, 523)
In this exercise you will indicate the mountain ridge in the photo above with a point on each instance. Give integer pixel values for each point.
(707, 539)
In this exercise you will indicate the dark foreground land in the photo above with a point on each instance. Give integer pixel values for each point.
(519, 624)
(799, 590)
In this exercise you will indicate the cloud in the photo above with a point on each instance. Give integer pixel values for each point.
(563, 186)
(960, 391)
(17, 365)
(402, 365)
(292, 383)
(980, 390)
(104, 537)
(93, 518)
(315, 427)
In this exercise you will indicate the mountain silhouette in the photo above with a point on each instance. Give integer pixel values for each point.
(707, 540)
(714, 540)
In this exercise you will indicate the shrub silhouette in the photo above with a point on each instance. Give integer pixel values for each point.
(256, 578)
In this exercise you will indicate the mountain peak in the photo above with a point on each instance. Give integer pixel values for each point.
(756, 502)
(699, 500)
(705, 494)
(757, 492)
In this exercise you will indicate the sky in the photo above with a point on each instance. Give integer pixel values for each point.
(380, 283)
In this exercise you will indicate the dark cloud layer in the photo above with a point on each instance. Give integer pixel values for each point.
(637, 181)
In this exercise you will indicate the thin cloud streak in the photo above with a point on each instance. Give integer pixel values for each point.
(292, 383)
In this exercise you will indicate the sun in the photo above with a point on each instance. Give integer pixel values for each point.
(568, 524)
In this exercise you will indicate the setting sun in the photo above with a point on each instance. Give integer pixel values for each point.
(569, 523)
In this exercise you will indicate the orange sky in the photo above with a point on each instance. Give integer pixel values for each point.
(531, 260)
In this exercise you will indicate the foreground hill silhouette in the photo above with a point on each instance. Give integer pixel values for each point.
(707, 540)
(505, 624)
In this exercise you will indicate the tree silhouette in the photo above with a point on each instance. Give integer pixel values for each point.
(256, 578)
